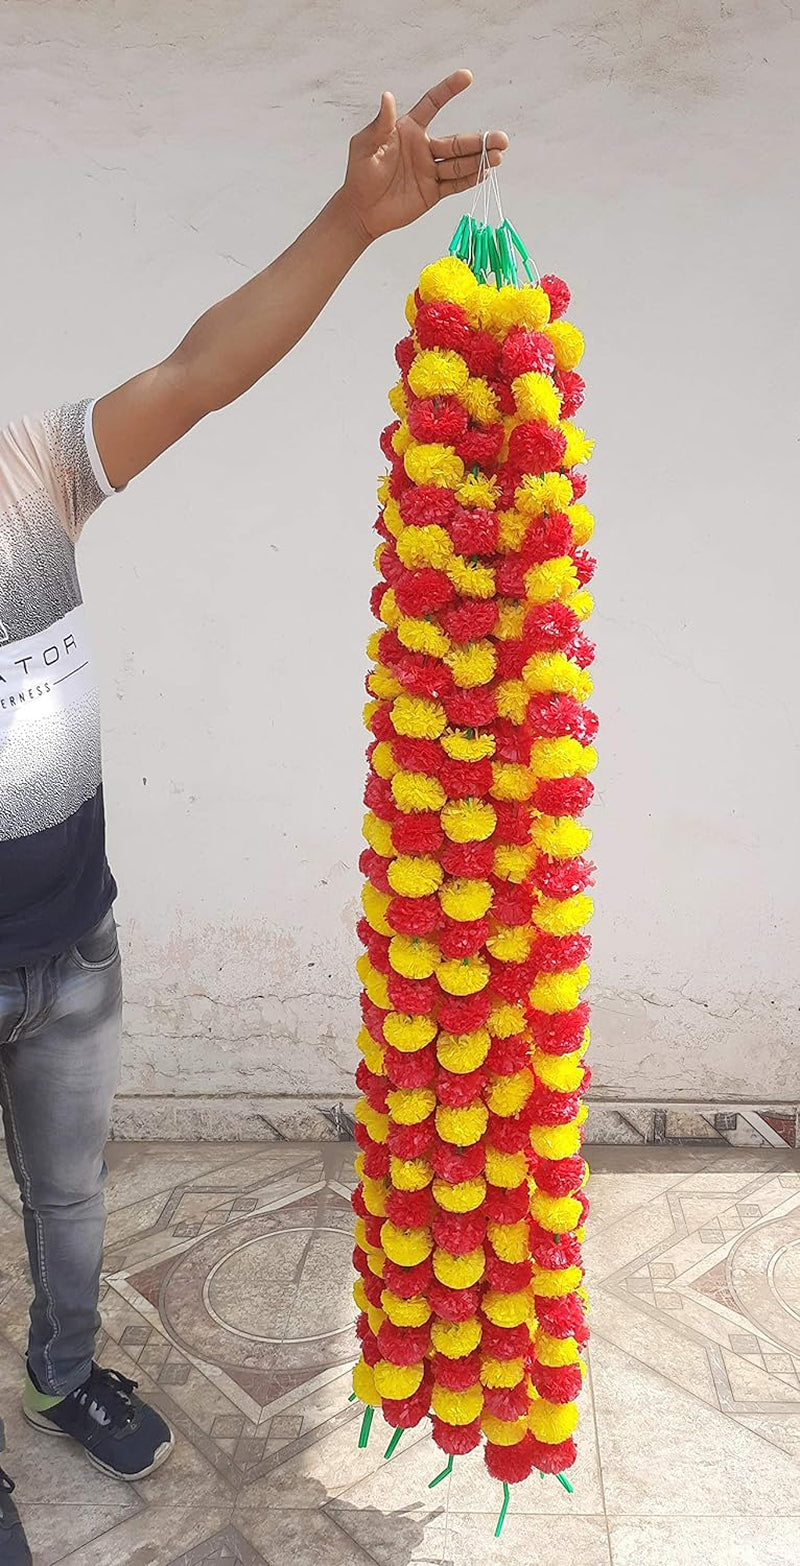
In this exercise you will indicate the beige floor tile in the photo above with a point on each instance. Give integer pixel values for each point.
(534, 1541)
(664, 1453)
(714, 1541)
(156, 1537)
(56, 1531)
(655, 1341)
(312, 1538)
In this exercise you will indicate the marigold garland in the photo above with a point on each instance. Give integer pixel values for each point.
(470, 1206)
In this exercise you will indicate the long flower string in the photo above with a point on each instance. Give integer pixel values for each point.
(470, 1203)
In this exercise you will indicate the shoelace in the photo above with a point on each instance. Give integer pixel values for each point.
(6, 1483)
(106, 1397)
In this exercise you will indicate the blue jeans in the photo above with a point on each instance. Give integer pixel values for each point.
(60, 1030)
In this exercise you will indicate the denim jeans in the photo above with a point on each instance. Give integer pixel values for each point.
(60, 1028)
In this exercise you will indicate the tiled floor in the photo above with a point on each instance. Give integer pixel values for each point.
(227, 1294)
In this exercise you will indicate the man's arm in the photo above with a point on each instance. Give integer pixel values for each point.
(395, 172)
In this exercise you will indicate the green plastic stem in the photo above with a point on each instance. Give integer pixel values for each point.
(443, 1475)
(366, 1424)
(395, 1441)
(567, 1486)
(503, 1509)
(352, 1397)
(492, 252)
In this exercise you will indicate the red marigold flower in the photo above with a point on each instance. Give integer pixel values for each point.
(412, 1141)
(563, 796)
(474, 532)
(405, 353)
(512, 904)
(415, 916)
(550, 1108)
(511, 1464)
(560, 1034)
(505, 1342)
(562, 1318)
(386, 440)
(427, 505)
(559, 953)
(443, 324)
(505, 396)
(470, 709)
(550, 1457)
(464, 939)
(512, 742)
(480, 447)
(473, 861)
(409, 1209)
(555, 715)
(379, 799)
(578, 482)
(374, 869)
(399, 481)
(466, 779)
(456, 1089)
(558, 293)
(457, 1440)
(403, 1345)
(510, 577)
(381, 722)
(373, 1288)
(454, 1304)
(507, 1056)
(573, 390)
(372, 1230)
(455, 1164)
(417, 834)
(463, 1013)
(422, 592)
(506, 1402)
(509, 479)
(406, 1282)
(376, 1160)
(442, 419)
(507, 1277)
(481, 353)
(548, 626)
(417, 755)
(547, 538)
(376, 599)
(470, 619)
(562, 877)
(456, 1374)
(509, 1133)
(513, 821)
(585, 566)
(458, 1233)
(410, 1068)
(415, 997)
(377, 947)
(523, 351)
(405, 1413)
(373, 1017)
(559, 1176)
(423, 676)
(534, 447)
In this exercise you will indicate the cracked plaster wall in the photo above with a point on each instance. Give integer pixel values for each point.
(153, 157)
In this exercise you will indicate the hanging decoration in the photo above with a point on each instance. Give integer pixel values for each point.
(470, 1202)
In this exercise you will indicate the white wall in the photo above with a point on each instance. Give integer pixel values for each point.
(153, 156)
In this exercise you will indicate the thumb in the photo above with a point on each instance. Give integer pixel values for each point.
(386, 118)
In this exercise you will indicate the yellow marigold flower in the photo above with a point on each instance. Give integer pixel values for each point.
(375, 904)
(556, 1141)
(433, 464)
(378, 834)
(555, 992)
(374, 1193)
(463, 975)
(369, 710)
(410, 1106)
(383, 761)
(415, 791)
(556, 1351)
(392, 517)
(507, 1095)
(510, 943)
(360, 1294)
(456, 1339)
(414, 877)
(457, 1408)
(506, 1169)
(374, 646)
(538, 493)
(506, 1310)
(449, 279)
(364, 1384)
(512, 862)
(376, 1124)
(413, 957)
(424, 546)
(511, 1241)
(582, 522)
(472, 663)
(405, 1313)
(462, 898)
(554, 1282)
(407, 1247)
(478, 489)
(510, 621)
(384, 491)
(438, 372)
(418, 718)
(468, 821)
(510, 780)
(513, 525)
(552, 1422)
(382, 683)
(563, 1073)
(397, 400)
(552, 671)
(581, 603)
(463, 1197)
(401, 439)
(560, 837)
(471, 581)
(504, 1432)
(360, 1231)
(513, 699)
(462, 1127)
(463, 1052)
(559, 1214)
(376, 1319)
(579, 446)
(502, 1372)
(459, 1272)
(376, 1261)
(423, 636)
(396, 1381)
(460, 747)
(567, 343)
(552, 579)
(374, 983)
(536, 398)
(390, 614)
(408, 1033)
(372, 1052)
(562, 758)
(505, 1020)
(510, 306)
(411, 309)
(480, 401)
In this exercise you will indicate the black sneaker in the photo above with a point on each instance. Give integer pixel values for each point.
(118, 1432)
(14, 1549)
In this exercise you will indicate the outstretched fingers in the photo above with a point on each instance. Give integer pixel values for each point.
(436, 97)
(467, 146)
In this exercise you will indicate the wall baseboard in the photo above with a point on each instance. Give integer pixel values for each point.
(250, 1118)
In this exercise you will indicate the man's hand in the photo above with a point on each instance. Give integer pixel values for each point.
(396, 171)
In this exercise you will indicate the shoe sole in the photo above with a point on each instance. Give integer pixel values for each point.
(45, 1426)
